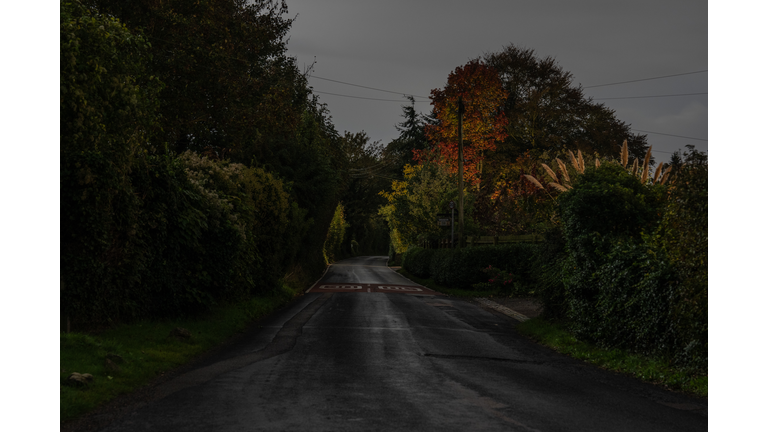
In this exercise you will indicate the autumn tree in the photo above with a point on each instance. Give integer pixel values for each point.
(484, 120)
(547, 111)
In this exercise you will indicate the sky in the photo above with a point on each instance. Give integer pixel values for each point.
(410, 46)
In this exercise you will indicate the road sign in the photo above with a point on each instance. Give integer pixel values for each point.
(444, 222)
(451, 205)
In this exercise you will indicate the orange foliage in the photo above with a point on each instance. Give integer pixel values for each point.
(483, 123)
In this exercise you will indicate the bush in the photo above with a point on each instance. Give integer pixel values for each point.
(548, 262)
(417, 261)
(461, 268)
(684, 237)
(622, 284)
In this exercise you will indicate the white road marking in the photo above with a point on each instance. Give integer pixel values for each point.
(399, 288)
(344, 287)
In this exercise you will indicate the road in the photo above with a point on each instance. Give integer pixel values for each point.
(355, 355)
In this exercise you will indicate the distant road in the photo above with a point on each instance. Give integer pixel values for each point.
(353, 355)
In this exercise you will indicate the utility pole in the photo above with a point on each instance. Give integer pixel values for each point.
(461, 176)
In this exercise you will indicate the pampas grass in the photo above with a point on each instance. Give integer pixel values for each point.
(658, 173)
(558, 186)
(533, 180)
(574, 161)
(550, 172)
(624, 154)
(665, 176)
(647, 160)
(563, 169)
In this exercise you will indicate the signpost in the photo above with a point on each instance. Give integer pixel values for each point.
(452, 205)
(461, 175)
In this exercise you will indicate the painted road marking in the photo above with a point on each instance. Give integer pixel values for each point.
(344, 287)
(399, 288)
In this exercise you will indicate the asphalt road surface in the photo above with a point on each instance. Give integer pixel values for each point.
(363, 350)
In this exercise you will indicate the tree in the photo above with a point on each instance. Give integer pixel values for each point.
(368, 172)
(412, 137)
(484, 121)
(413, 203)
(229, 85)
(547, 112)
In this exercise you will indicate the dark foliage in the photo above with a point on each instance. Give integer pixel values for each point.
(149, 233)
(621, 286)
(462, 268)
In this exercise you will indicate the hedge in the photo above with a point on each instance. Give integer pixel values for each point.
(461, 268)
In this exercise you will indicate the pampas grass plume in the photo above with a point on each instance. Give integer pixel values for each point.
(533, 180)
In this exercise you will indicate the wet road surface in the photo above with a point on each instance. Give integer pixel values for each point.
(344, 359)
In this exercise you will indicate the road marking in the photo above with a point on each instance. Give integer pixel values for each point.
(398, 288)
(369, 290)
(503, 309)
(344, 287)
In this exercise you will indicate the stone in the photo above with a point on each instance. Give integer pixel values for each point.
(79, 380)
(180, 333)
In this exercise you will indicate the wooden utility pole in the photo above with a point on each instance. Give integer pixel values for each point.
(461, 176)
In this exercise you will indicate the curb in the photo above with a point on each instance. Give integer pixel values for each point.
(503, 309)
(321, 278)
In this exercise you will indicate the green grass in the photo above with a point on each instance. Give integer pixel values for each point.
(647, 369)
(147, 351)
(455, 292)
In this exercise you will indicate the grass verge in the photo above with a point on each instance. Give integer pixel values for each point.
(554, 336)
(146, 351)
(455, 292)
(647, 369)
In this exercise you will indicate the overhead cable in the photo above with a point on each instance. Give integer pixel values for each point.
(656, 96)
(360, 97)
(646, 79)
(677, 136)
(371, 88)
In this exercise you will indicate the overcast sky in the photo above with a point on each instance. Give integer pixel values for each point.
(411, 46)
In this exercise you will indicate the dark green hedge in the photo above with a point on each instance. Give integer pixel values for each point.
(620, 284)
(461, 268)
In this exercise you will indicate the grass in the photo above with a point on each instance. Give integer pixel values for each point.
(147, 351)
(651, 370)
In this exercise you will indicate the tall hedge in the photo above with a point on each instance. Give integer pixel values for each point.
(146, 233)
(461, 268)
(621, 286)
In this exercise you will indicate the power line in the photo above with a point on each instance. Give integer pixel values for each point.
(656, 96)
(646, 79)
(371, 88)
(360, 97)
(677, 136)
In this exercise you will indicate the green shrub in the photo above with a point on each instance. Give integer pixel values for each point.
(684, 237)
(548, 274)
(461, 268)
(332, 249)
(621, 286)
(417, 261)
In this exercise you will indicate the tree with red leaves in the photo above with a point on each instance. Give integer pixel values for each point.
(484, 121)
